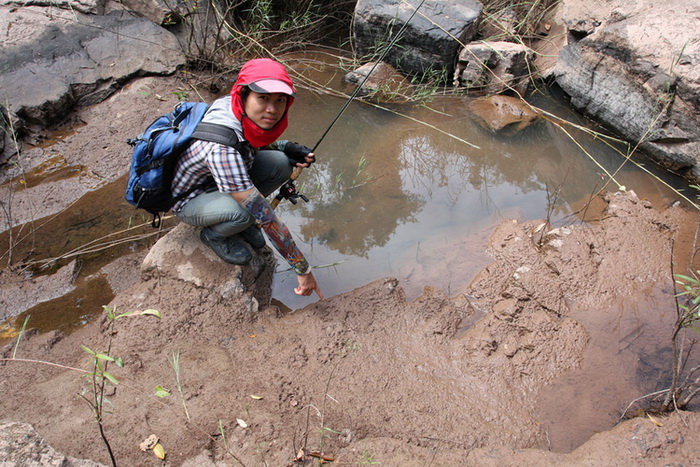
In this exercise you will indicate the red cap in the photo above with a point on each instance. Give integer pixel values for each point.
(267, 86)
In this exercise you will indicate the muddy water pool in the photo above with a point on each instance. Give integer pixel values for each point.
(391, 196)
(413, 193)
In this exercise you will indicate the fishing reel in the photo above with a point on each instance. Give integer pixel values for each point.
(289, 192)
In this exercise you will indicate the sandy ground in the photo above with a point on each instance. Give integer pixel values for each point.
(365, 377)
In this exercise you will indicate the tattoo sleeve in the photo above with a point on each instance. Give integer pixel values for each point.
(277, 232)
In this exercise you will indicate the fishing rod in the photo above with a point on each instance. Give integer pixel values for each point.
(288, 190)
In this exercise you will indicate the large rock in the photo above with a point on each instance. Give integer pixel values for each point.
(19, 293)
(429, 39)
(20, 444)
(384, 83)
(63, 58)
(494, 67)
(180, 255)
(635, 66)
(95, 7)
(503, 114)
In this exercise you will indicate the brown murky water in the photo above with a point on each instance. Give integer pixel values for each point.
(401, 195)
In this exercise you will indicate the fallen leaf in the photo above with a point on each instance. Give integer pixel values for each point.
(161, 391)
(253, 336)
(257, 398)
(159, 451)
(242, 423)
(151, 311)
(148, 443)
(654, 420)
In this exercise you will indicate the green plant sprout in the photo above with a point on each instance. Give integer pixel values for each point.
(99, 378)
(19, 336)
(175, 364)
(683, 390)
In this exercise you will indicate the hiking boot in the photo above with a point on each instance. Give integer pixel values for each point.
(253, 236)
(230, 249)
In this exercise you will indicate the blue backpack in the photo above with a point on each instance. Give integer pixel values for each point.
(157, 149)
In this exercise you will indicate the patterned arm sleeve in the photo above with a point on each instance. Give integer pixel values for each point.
(278, 233)
(278, 145)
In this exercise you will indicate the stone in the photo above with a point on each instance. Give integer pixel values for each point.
(428, 42)
(180, 255)
(20, 444)
(503, 114)
(22, 293)
(94, 7)
(644, 86)
(494, 67)
(66, 58)
(384, 82)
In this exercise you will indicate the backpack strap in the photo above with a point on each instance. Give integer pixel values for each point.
(214, 133)
(221, 134)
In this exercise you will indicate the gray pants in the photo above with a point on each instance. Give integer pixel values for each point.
(220, 212)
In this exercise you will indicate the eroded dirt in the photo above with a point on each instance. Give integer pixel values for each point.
(367, 376)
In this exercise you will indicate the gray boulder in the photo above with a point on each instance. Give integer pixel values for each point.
(383, 84)
(429, 40)
(95, 7)
(494, 67)
(158, 11)
(180, 255)
(635, 66)
(20, 444)
(64, 58)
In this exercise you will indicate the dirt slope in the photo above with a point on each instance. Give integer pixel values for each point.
(365, 376)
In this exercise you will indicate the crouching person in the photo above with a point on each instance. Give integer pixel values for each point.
(223, 188)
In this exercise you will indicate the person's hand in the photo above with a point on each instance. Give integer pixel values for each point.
(299, 155)
(308, 160)
(308, 285)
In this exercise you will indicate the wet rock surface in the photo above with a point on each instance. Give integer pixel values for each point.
(64, 58)
(503, 114)
(644, 86)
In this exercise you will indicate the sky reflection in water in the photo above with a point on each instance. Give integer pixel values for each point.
(393, 197)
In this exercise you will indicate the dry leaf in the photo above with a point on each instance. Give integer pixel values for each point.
(257, 398)
(322, 456)
(148, 443)
(654, 420)
(242, 423)
(159, 451)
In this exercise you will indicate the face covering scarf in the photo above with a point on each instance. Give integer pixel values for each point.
(252, 71)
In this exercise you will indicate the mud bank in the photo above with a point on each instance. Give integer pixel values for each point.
(363, 376)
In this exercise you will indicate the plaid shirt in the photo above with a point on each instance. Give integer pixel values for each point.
(204, 161)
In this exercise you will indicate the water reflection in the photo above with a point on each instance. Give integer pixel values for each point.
(389, 192)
